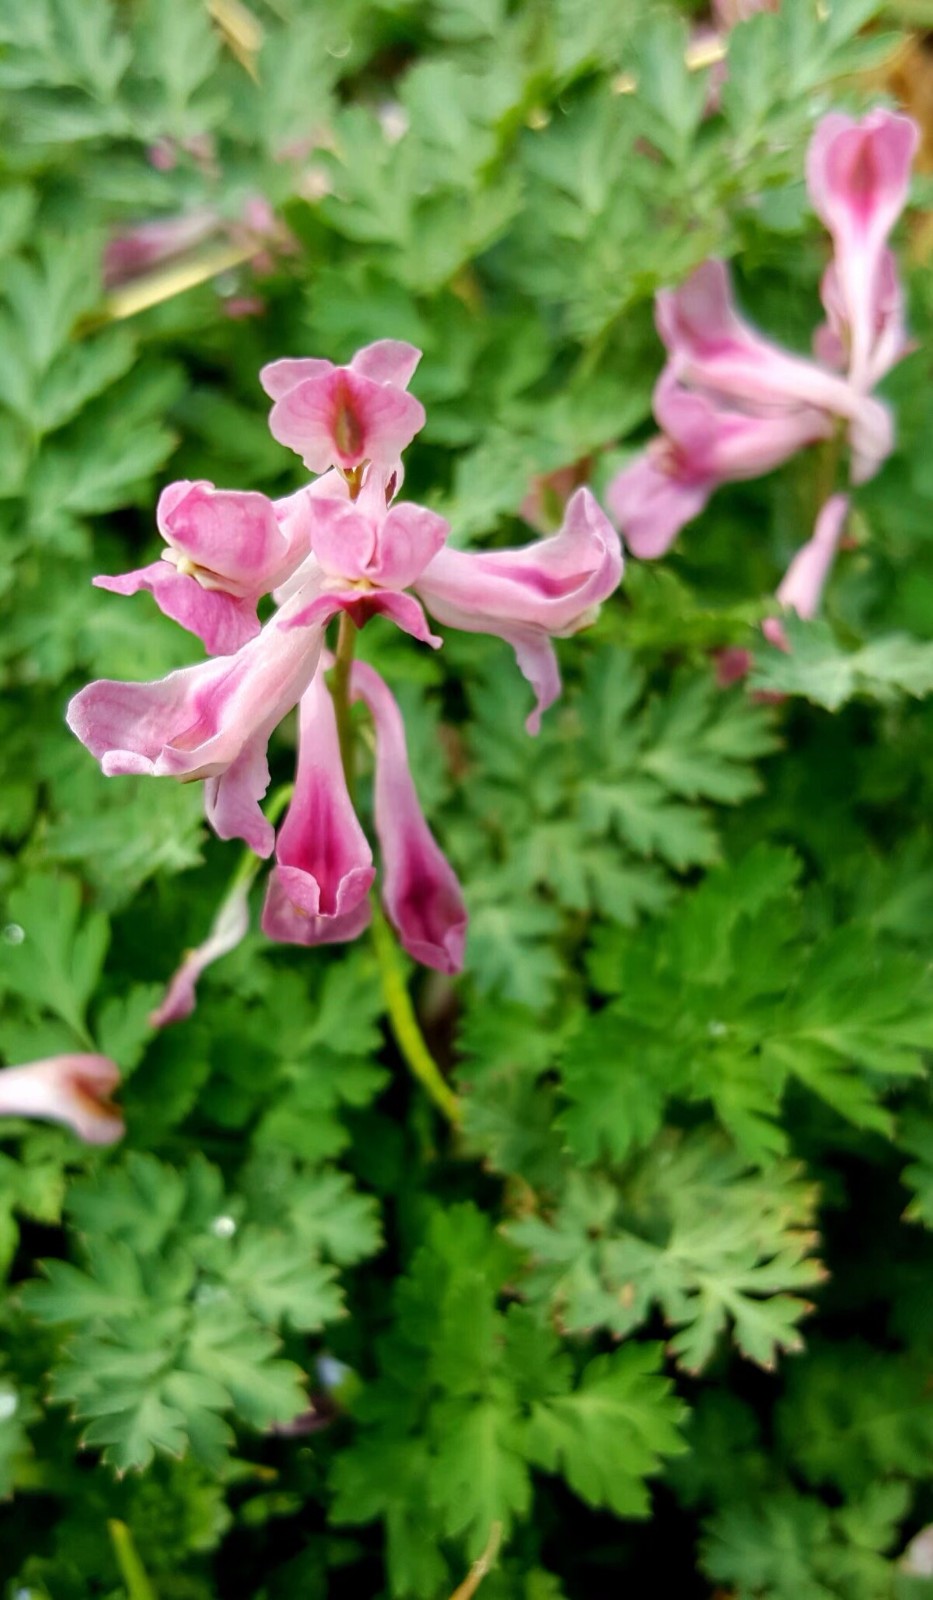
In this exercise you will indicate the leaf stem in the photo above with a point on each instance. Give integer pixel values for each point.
(132, 1571)
(404, 1022)
(479, 1569)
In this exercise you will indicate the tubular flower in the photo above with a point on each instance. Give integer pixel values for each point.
(229, 928)
(733, 404)
(341, 545)
(74, 1090)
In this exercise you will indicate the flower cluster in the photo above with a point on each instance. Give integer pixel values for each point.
(342, 545)
(732, 404)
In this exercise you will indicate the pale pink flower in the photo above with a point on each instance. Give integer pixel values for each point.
(858, 176)
(147, 244)
(71, 1089)
(419, 887)
(225, 549)
(527, 597)
(344, 416)
(211, 721)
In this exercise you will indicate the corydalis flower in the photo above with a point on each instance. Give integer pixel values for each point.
(733, 404)
(341, 545)
(75, 1090)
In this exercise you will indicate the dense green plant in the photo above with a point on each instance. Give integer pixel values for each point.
(653, 1313)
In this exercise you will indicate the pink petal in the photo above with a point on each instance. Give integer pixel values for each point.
(229, 928)
(278, 378)
(361, 605)
(344, 419)
(221, 621)
(137, 249)
(232, 798)
(651, 504)
(420, 890)
(389, 548)
(71, 1089)
(805, 579)
(524, 596)
(196, 722)
(231, 535)
(387, 361)
(284, 923)
(324, 862)
(858, 175)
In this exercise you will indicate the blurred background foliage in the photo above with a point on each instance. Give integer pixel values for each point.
(690, 1040)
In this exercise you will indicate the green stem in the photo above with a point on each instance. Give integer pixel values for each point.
(404, 1022)
(132, 1571)
(340, 691)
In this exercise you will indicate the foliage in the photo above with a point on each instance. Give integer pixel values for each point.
(655, 1314)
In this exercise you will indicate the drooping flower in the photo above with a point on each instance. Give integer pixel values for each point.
(420, 890)
(71, 1089)
(801, 589)
(317, 891)
(733, 404)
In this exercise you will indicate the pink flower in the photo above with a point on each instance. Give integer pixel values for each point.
(229, 928)
(527, 597)
(317, 892)
(343, 416)
(72, 1089)
(368, 554)
(858, 176)
(211, 721)
(225, 549)
(420, 891)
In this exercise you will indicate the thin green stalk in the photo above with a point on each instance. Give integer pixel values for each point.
(132, 1571)
(404, 1022)
(250, 863)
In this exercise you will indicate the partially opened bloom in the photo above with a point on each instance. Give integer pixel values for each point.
(732, 404)
(72, 1089)
(344, 416)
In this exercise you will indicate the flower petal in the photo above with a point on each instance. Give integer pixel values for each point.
(344, 419)
(223, 622)
(420, 891)
(526, 595)
(72, 1089)
(232, 535)
(805, 579)
(324, 862)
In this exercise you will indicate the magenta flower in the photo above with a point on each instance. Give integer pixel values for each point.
(420, 891)
(343, 416)
(71, 1089)
(340, 545)
(733, 404)
(318, 890)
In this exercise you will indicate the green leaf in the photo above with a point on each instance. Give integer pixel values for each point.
(612, 1432)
